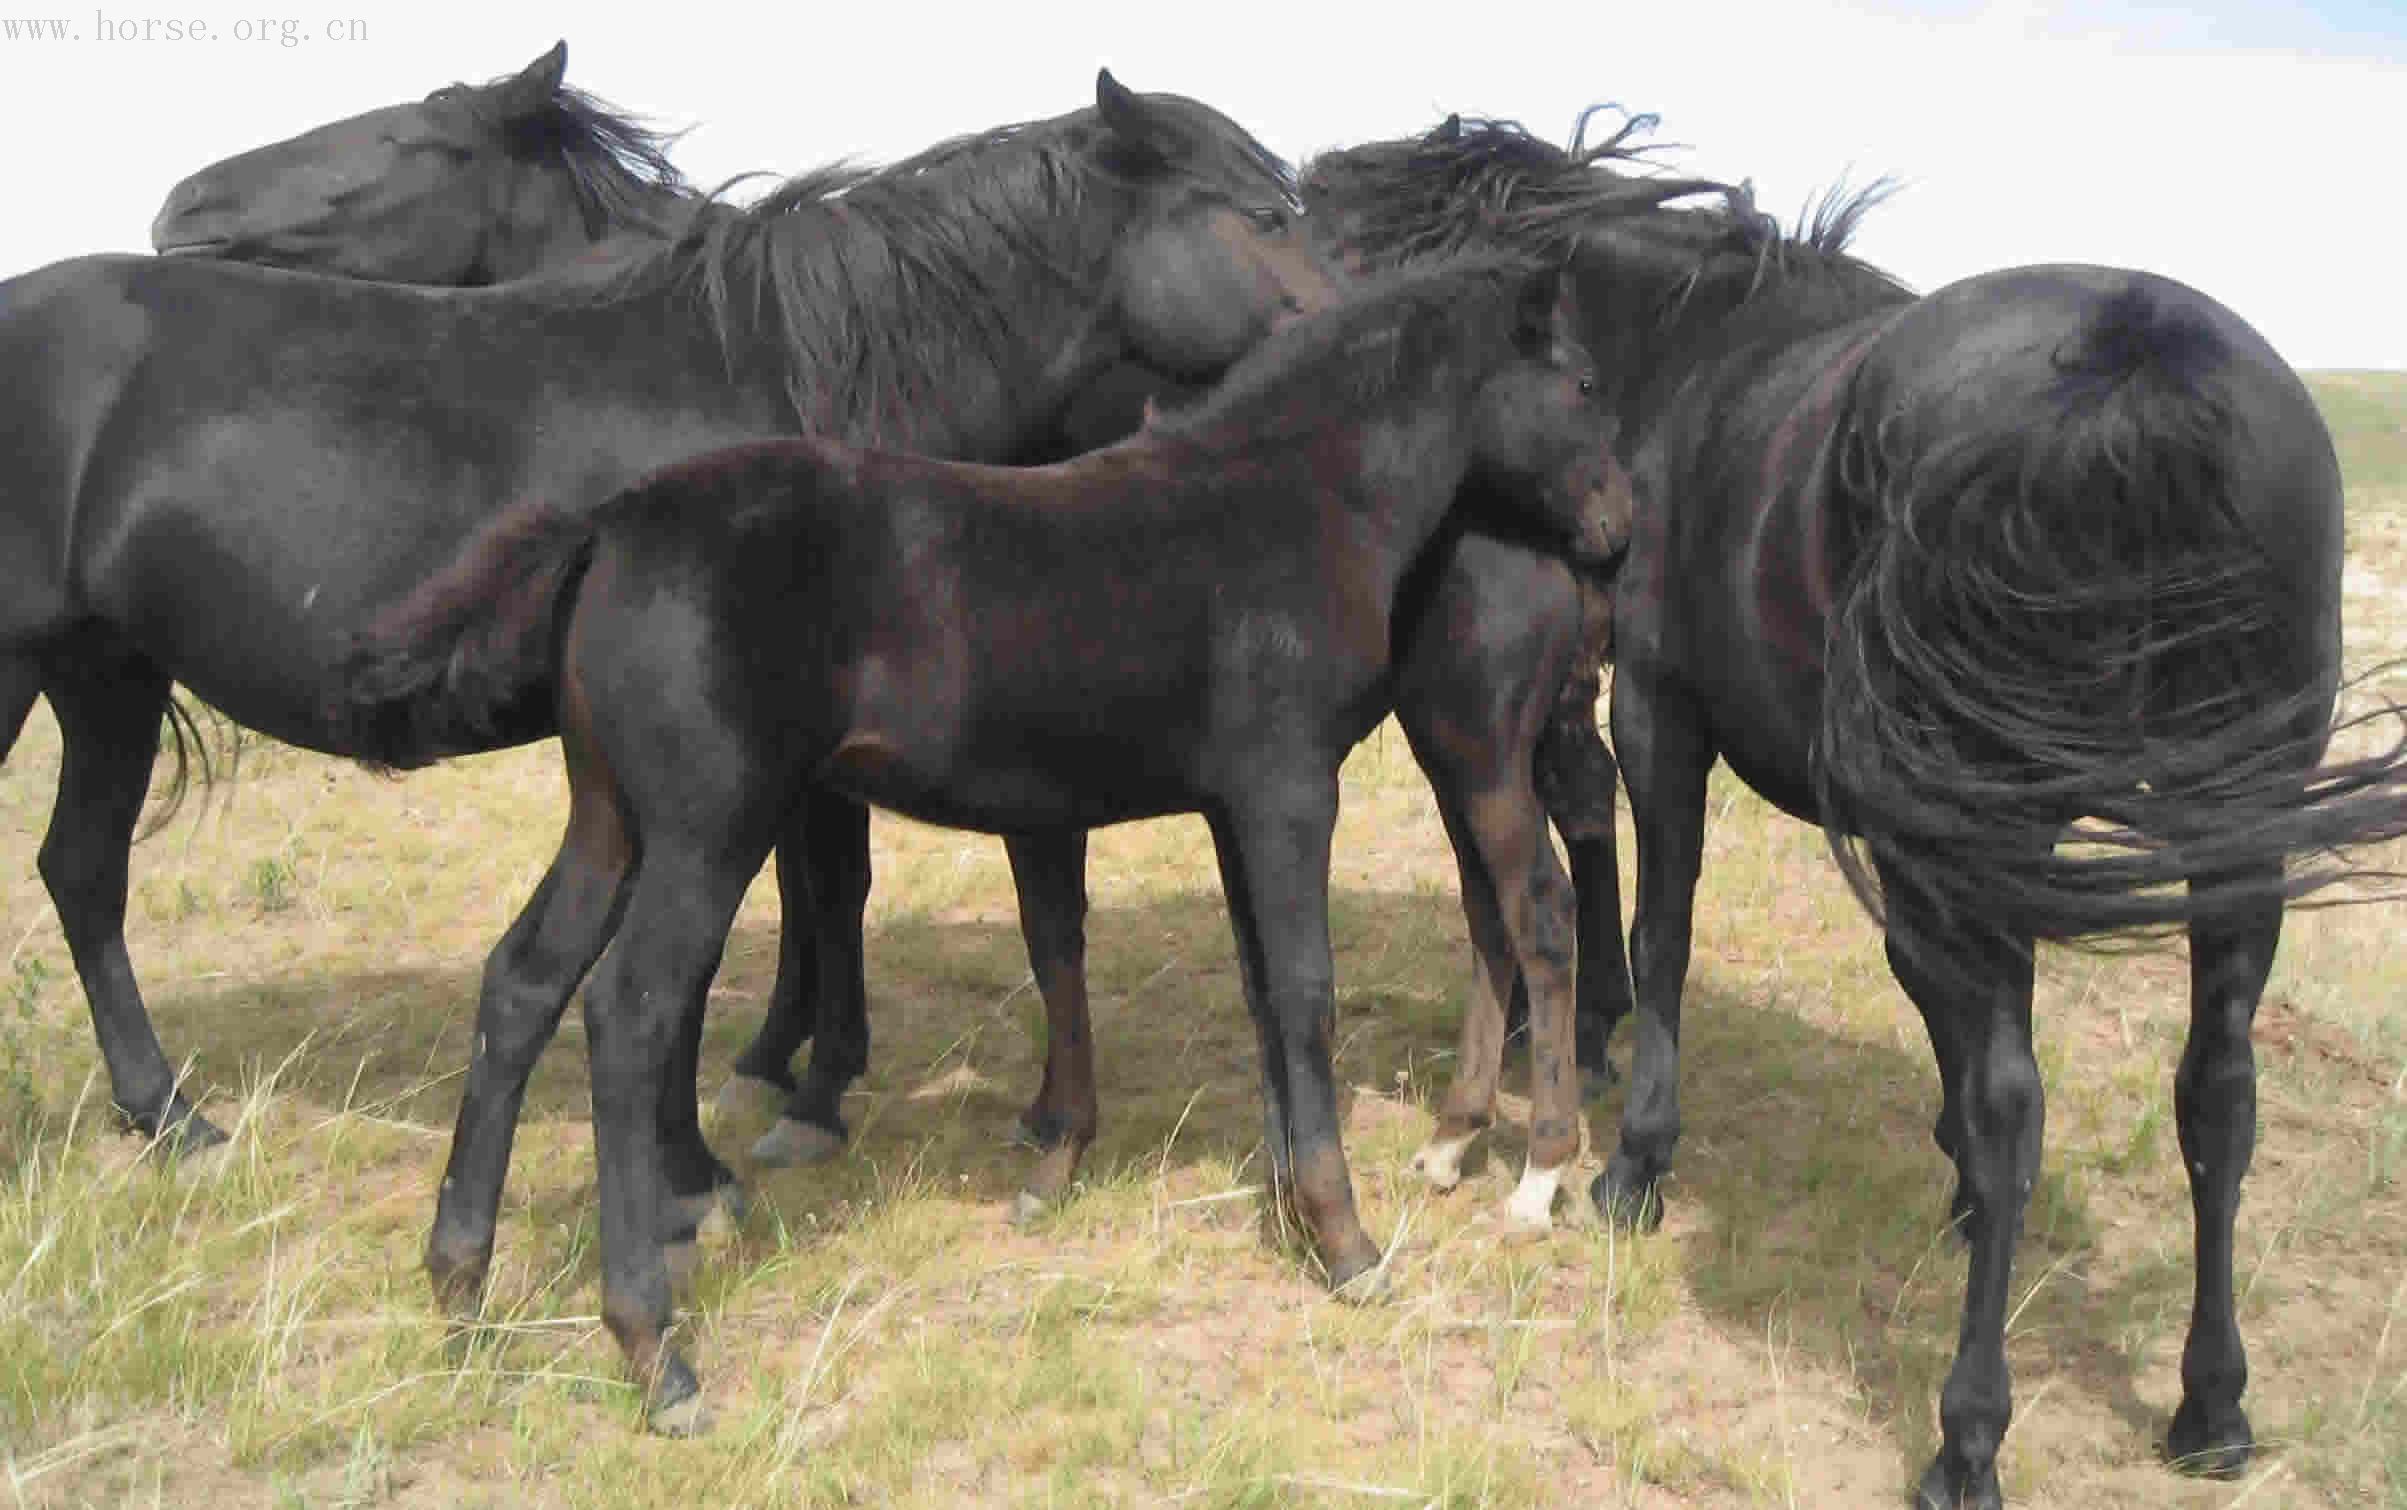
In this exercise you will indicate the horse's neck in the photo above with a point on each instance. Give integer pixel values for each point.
(1414, 464)
(985, 384)
(543, 230)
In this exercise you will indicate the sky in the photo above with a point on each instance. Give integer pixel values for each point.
(2251, 148)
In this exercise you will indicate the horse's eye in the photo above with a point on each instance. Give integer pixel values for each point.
(1587, 383)
(1268, 219)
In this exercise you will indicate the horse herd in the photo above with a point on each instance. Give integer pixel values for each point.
(1101, 467)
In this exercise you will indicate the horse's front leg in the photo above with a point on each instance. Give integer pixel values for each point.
(1518, 904)
(1049, 870)
(108, 709)
(812, 1126)
(1665, 758)
(1273, 844)
(1577, 779)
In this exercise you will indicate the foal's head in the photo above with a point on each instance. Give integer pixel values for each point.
(476, 183)
(1544, 426)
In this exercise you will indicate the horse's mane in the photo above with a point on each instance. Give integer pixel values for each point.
(1387, 336)
(617, 166)
(879, 286)
(1493, 183)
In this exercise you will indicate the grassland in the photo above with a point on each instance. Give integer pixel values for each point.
(878, 1334)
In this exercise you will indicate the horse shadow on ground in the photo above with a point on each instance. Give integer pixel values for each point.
(1817, 1205)
(1807, 1186)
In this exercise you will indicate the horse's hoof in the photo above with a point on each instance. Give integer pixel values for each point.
(1946, 1487)
(459, 1282)
(180, 1138)
(684, 1419)
(790, 1143)
(1530, 1208)
(747, 1098)
(1625, 1200)
(172, 1130)
(1440, 1160)
(676, 1405)
(1027, 1208)
(2209, 1444)
(1368, 1284)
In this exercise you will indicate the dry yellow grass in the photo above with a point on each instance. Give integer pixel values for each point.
(877, 1333)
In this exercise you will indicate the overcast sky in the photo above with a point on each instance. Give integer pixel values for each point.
(2249, 147)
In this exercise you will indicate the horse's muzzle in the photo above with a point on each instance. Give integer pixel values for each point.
(1606, 518)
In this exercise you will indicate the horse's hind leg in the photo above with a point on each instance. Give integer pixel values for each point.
(2215, 1108)
(1050, 872)
(1931, 999)
(108, 708)
(764, 1071)
(679, 906)
(812, 1126)
(529, 978)
(1986, 986)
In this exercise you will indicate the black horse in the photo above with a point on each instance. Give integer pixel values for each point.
(1194, 621)
(218, 470)
(2052, 549)
(1496, 647)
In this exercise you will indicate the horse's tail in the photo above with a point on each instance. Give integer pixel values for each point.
(2061, 609)
(466, 661)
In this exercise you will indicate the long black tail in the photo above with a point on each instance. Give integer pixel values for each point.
(467, 661)
(2062, 611)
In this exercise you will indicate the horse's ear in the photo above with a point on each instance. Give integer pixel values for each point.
(1449, 130)
(1535, 313)
(1137, 128)
(533, 87)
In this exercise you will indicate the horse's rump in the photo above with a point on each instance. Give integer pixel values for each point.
(2088, 587)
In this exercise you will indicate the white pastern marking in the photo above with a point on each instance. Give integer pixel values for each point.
(1440, 1162)
(1533, 1201)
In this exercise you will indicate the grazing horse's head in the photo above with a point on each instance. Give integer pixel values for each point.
(1544, 428)
(476, 183)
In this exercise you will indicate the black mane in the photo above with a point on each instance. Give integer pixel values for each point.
(617, 165)
(882, 287)
(1493, 183)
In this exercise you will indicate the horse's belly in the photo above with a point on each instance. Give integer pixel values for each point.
(1000, 795)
